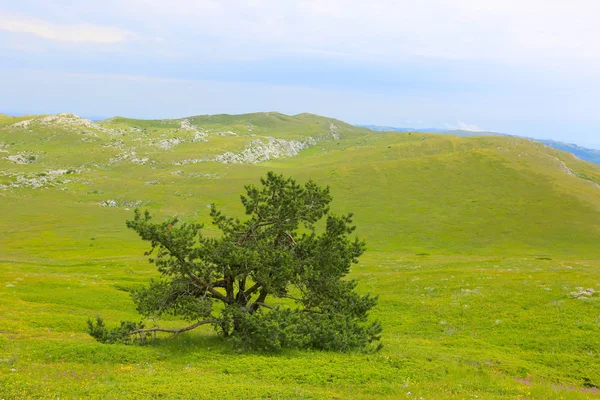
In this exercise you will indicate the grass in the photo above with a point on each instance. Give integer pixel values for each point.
(455, 328)
(478, 248)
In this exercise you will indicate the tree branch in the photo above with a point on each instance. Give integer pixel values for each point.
(208, 287)
(195, 278)
(290, 237)
(229, 288)
(287, 296)
(220, 283)
(250, 231)
(239, 297)
(263, 305)
(259, 301)
(252, 289)
(175, 332)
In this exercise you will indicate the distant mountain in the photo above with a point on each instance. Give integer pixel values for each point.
(455, 132)
(591, 155)
(463, 133)
(378, 128)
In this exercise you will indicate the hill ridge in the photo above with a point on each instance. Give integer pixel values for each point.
(587, 154)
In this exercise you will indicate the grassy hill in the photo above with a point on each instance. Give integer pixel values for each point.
(591, 155)
(478, 246)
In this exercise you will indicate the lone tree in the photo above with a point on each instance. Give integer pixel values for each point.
(273, 280)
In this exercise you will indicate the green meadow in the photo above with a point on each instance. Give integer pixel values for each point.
(484, 252)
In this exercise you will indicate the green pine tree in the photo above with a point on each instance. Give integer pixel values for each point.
(271, 281)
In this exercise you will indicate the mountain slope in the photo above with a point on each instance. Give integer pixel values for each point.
(591, 155)
(410, 192)
(483, 252)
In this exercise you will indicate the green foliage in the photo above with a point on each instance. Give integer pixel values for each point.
(121, 334)
(287, 328)
(277, 253)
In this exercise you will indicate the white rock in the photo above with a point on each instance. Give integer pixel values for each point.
(65, 120)
(21, 124)
(582, 293)
(167, 144)
(334, 131)
(258, 151)
(130, 156)
(108, 203)
(22, 158)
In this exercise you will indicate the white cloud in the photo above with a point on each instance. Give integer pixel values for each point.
(392, 30)
(461, 126)
(459, 29)
(78, 33)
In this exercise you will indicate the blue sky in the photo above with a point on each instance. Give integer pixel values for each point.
(528, 68)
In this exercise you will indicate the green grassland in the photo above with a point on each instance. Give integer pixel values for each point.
(480, 249)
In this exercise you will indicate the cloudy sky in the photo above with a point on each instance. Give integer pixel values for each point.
(527, 67)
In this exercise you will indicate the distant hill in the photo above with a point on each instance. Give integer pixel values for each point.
(378, 128)
(419, 192)
(591, 155)
(455, 132)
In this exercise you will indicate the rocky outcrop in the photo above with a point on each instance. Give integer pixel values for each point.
(65, 120)
(130, 156)
(49, 178)
(582, 293)
(120, 203)
(168, 144)
(334, 131)
(259, 151)
(199, 135)
(22, 158)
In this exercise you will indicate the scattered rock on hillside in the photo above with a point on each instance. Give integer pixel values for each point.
(569, 171)
(22, 158)
(334, 131)
(191, 161)
(168, 144)
(108, 203)
(227, 133)
(21, 124)
(204, 175)
(582, 293)
(120, 203)
(199, 135)
(65, 120)
(564, 167)
(49, 178)
(258, 151)
(130, 156)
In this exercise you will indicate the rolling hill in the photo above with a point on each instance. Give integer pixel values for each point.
(591, 155)
(416, 193)
(481, 249)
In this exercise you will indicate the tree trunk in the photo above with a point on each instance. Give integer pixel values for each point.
(261, 299)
